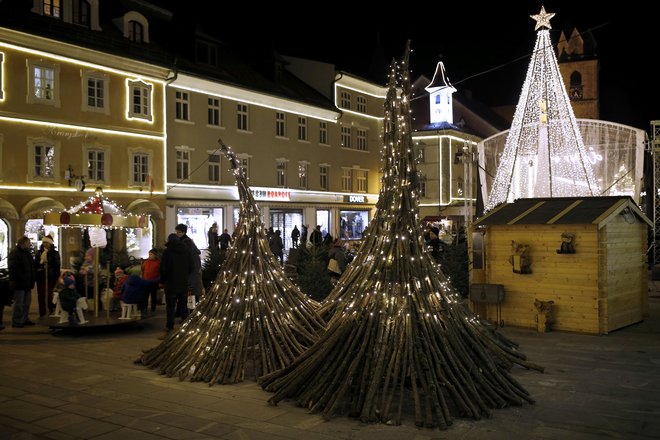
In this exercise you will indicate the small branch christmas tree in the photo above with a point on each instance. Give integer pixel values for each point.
(399, 336)
(544, 154)
(252, 312)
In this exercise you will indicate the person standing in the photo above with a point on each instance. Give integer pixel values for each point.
(195, 279)
(277, 247)
(317, 237)
(176, 267)
(151, 273)
(295, 235)
(47, 257)
(213, 236)
(22, 278)
(225, 240)
(303, 235)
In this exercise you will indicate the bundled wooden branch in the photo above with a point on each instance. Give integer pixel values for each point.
(399, 337)
(253, 312)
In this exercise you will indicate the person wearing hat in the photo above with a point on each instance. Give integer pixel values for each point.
(338, 253)
(195, 279)
(47, 264)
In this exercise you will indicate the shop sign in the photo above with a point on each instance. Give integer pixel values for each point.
(355, 199)
(279, 195)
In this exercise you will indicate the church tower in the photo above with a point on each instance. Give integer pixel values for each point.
(579, 67)
(440, 99)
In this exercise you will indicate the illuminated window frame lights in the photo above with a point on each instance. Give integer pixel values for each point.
(223, 91)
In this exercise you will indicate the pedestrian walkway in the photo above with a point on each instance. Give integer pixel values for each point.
(61, 386)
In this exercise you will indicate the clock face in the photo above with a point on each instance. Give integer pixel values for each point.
(576, 93)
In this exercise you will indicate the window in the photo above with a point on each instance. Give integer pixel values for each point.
(361, 135)
(140, 168)
(345, 100)
(361, 104)
(214, 167)
(140, 100)
(303, 172)
(422, 187)
(421, 158)
(361, 178)
(324, 170)
(280, 124)
(182, 105)
(44, 83)
(206, 53)
(182, 163)
(281, 173)
(95, 96)
(214, 112)
(323, 133)
(347, 179)
(80, 13)
(346, 137)
(134, 26)
(302, 128)
(135, 31)
(44, 160)
(96, 165)
(53, 8)
(242, 121)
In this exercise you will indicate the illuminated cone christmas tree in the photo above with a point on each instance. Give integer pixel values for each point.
(400, 337)
(252, 316)
(544, 154)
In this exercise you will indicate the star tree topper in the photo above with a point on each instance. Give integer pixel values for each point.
(542, 19)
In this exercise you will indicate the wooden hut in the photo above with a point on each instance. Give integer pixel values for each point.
(586, 254)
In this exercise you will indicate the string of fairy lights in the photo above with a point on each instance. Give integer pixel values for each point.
(544, 154)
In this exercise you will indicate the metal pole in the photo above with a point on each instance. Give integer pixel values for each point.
(96, 282)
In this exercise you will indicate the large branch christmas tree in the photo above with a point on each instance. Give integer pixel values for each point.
(252, 316)
(399, 336)
(544, 154)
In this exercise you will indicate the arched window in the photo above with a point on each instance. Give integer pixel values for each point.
(135, 31)
(437, 98)
(81, 10)
(576, 79)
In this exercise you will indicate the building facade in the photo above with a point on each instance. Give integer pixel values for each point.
(311, 158)
(73, 118)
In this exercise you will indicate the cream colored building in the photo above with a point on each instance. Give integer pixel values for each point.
(68, 115)
(312, 161)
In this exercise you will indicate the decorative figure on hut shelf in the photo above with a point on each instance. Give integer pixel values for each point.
(567, 246)
(520, 258)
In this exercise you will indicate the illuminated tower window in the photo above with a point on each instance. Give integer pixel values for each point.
(53, 8)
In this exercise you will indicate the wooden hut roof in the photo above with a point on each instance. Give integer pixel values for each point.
(562, 211)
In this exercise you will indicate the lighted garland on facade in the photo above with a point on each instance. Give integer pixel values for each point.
(97, 211)
(544, 154)
(253, 312)
(400, 337)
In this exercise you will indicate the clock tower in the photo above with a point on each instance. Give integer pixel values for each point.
(579, 67)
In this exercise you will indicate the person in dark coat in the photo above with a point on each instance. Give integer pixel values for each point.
(134, 290)
(47, 256)
(276, 246)
(316, 238)
(69, 298)
(22, 278)
(176, 266)
(225, 240)
(303, 235)
(195, 278)
(295, 235)
(212, 235)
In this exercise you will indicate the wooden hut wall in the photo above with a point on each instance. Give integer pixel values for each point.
(570, 280)
(625, 280)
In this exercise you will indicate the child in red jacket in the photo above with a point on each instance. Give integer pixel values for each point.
(151, 272)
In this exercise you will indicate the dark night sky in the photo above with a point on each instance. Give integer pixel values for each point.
(471, 39)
